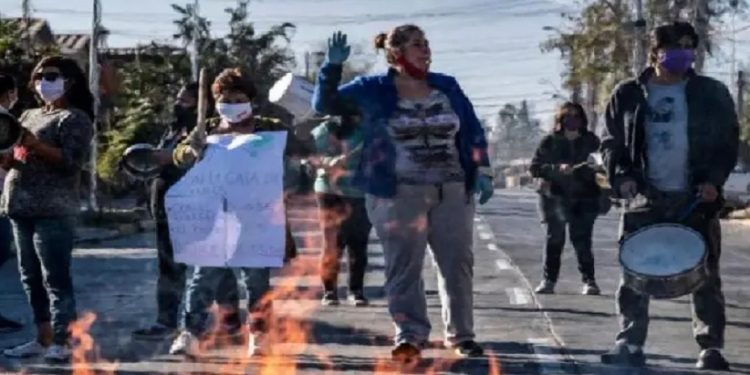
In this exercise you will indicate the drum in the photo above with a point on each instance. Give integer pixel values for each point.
(10, 131)
(140, 161)
(664, 260)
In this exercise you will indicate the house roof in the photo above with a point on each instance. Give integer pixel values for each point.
(72, 42)
(38, 28)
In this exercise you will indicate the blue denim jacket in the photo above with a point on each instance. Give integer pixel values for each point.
(375, 98)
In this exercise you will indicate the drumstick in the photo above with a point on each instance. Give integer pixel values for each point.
(202, 100)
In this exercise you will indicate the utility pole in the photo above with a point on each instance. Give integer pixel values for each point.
(740, 94)
(700, 19)
(195, 69)
(744, 149)
(94, 86)
(26, 24)
(639, 60)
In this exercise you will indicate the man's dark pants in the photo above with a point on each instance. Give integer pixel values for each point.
(709, 317)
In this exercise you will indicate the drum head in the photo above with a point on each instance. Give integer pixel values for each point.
(140, 161)
(662, 250)
(10, 131)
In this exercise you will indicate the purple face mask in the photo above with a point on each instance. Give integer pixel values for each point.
(677, 61)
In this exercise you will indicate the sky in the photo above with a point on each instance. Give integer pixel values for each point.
(491, 46)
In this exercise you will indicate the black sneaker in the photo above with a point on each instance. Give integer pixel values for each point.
(711, 359)
(330, 299)
(358, 299)
(9, 326)
(406, 353)
(591, 289)
(156, 332)
(469, 349)
(622, 356)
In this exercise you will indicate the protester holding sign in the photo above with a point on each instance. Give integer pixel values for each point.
(233, 92)
(424, 156)
(170, 283)
(41, 198)
(8, 96)
(342, 207)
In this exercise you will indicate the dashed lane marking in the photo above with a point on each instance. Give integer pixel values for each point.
(503, 265)
(518, 296)
(485, 236)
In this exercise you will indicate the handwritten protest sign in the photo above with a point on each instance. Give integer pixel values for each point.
(228, 210)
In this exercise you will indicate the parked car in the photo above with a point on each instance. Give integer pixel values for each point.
(737, 189)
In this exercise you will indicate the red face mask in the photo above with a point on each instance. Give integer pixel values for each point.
(411, 69)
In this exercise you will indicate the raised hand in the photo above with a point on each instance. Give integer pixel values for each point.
(338, 48)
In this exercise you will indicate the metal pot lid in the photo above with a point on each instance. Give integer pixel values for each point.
(10, 131)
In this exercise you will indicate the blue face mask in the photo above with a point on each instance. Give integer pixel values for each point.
(677, 61)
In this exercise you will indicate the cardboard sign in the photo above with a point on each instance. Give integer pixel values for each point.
(228, 210)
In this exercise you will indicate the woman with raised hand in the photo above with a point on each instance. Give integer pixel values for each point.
(424, 157)
(41, 197)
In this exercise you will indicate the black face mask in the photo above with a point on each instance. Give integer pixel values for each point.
(186, 117)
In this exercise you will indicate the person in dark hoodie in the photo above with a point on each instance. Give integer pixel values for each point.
(568, 194)
(170, 283)
(672, 135)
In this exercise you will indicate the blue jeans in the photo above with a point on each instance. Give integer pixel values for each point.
(45, 248)
(204, 284)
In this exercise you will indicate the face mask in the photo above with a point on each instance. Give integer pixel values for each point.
(51, 91)
(234, 113)
(411, 69)
(571, 123)
(677, 61)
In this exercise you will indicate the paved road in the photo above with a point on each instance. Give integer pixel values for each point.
(116, 281)
(586, 325)
(525, 334)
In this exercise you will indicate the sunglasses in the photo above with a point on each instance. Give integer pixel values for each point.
(49, 76)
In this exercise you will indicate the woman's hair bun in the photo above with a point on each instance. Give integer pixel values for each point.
(380, 40)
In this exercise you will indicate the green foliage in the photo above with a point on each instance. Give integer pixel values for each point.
(516, 134)
(143, 109)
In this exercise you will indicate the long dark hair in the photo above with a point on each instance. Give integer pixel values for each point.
(77, 94)
(564, 110)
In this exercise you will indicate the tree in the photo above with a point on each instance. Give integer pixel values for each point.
(515, 135)
(144, 108)
(19, 62)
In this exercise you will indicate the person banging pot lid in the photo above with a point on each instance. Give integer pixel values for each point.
(41, 197)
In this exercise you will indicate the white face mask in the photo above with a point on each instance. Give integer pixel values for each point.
(50, 91)
(234, 112)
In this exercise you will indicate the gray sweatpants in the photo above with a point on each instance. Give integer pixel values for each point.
(441, 216)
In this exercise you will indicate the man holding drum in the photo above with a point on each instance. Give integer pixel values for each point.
(671, 139)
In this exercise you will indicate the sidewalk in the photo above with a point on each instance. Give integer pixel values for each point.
(116, 281)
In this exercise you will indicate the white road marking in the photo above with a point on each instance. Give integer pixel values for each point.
(485, 236)
(548, 357)
(493, 247)
(518, 296)
(503, 265)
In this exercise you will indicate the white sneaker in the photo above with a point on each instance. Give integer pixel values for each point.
(185, 344)
(27, 350)
(57, 353)
(256, 345)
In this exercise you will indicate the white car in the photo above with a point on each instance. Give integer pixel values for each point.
(737, 189)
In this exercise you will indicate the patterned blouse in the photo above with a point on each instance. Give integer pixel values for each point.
(36, 188)
(424, 133)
